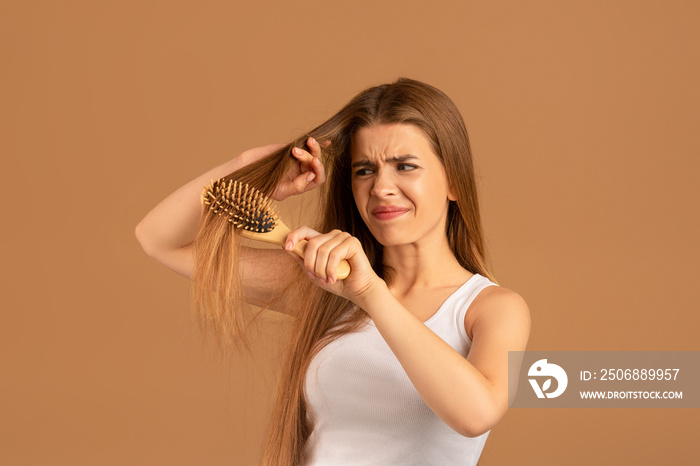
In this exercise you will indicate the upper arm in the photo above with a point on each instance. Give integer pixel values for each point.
(499, 323)
(179, 260)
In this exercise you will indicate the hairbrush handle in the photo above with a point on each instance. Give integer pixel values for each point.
(278, 235)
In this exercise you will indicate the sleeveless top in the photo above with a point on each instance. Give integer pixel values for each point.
(367, 412)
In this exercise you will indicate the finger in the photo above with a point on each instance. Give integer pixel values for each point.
(311, 163)
(325, 247)
(316, 254)
(302, 155)
(298, 234)
(314, 147)
(309, 160)
(319, 172)
(311, 253)
(312, 140)
(301, 182)
(316, 164)
(342, 251)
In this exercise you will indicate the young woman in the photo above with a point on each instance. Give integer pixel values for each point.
(406, 360)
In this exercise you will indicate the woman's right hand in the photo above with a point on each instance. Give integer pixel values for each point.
(305, 174)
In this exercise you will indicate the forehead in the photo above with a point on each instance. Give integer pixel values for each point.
(386, 140)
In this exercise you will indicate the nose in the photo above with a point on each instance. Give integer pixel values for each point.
(384, 185)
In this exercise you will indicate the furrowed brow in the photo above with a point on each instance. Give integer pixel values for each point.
(399, 159)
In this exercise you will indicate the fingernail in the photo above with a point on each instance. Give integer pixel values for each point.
(311, 276)
(310, 176)
(288, 246)
(313, 141)
(297, 151)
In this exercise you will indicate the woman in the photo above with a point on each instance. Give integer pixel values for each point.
(406, 360)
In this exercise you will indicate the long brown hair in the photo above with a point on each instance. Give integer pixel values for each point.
(321, 316)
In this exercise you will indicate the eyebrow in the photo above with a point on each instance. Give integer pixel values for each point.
(400, 158)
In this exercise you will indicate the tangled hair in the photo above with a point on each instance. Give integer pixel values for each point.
(320, 316)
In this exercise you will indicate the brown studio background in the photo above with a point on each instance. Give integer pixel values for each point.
(583, 119)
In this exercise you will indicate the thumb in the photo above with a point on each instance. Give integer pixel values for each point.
(303, 180)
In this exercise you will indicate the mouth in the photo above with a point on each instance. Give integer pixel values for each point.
(388, 212)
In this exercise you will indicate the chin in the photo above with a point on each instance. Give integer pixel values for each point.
(389, 236)
(391, 240)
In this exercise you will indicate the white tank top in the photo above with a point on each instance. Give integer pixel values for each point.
(367, 411)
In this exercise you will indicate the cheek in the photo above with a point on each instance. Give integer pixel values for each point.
(434, 194)
(360, 199)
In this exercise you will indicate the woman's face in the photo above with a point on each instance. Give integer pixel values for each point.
(399, 184)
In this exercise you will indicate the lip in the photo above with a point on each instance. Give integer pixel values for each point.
(388, 212)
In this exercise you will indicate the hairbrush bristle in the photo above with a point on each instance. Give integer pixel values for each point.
(244, 206)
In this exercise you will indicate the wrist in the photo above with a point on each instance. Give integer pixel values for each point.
(375, 293)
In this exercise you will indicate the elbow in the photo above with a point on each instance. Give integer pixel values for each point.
(138, 232)
(141, 238)
(478, 423)
(474, 430)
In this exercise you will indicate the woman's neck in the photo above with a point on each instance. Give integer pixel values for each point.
(414, 266)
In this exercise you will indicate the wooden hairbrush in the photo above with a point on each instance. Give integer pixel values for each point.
(247, 208)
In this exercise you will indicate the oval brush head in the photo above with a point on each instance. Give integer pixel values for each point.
(245, 207)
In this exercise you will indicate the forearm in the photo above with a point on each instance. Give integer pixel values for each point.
(452, 387)
(174, 222)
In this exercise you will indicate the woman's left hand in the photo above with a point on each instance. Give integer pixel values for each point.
(322, 255)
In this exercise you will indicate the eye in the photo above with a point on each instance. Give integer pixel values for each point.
(406, 166)
(363, 172)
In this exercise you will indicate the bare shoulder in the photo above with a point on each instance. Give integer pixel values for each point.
(496, 308)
